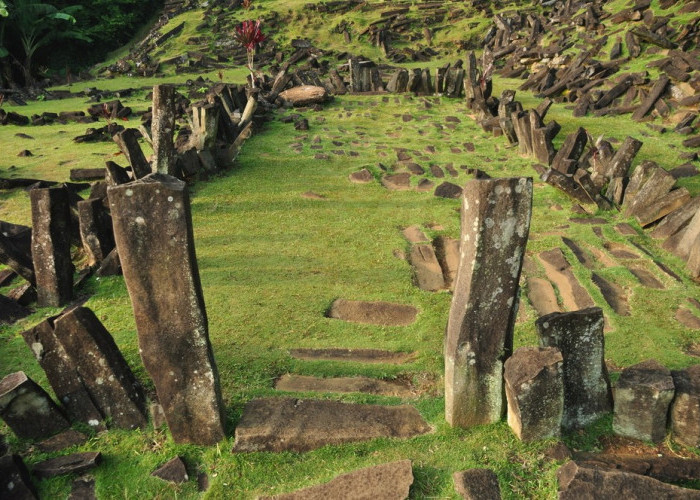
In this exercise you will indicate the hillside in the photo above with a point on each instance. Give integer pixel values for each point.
(347, 197)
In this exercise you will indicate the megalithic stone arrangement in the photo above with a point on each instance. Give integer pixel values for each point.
(153, 232)
(51, 240)
(495, 225)
(163, 129)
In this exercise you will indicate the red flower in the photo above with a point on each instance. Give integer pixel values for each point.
(249, 35)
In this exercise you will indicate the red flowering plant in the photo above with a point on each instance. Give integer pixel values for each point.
(249, 35)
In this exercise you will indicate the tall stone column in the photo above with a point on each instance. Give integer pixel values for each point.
(163, 129)
(51, 239)
(495, 225)
(153, 232)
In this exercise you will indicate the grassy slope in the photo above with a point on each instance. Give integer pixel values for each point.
(271, 262)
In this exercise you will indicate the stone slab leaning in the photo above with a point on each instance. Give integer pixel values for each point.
(153, 233)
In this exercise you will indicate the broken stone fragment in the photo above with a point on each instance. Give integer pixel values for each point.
(477, 484)
(685, 409)
(75, 463)
(28, 410)
(304, 95)
(15, 482)
(535, 392)
(642, 398)
(174, 470)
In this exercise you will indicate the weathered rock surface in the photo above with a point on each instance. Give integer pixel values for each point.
(685, 408)
(477, 484)
(153, 233)
(305, 383)
(428, 273)
(11, 311)
(642, 398)
(579, 337)
(494, 229)
(102, 369)
(535, 392)
(542, 296)
(375, 313)
(578, 481)
(15, 482)
(305, 95)
(390, 481)
(286, 424)
(173, 470)
(16, 249)
(558, 269)
(75, 463)
(51, 240)
(27, 409)
(163, 129)
(61, 441)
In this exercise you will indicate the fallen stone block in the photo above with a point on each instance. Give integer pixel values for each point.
(428, 273)
(174, 471)
(15, 482)
(11, 311)
(642, 398)
(477, 484)
(375, 313)
(286, 424)
(305, 95)
(75, 463)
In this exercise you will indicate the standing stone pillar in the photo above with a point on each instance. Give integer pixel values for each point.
(95, 230)
(51, 239)
(479, 338)
(153, 232)
(163, 129)
(579, 337)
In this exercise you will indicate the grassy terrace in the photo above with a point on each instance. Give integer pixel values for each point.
(272, 261)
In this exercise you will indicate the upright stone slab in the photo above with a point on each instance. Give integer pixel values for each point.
(479, 338)
(685, 409)
(163, 129)
(102, 368)
(642, 398)
(51, 239)
(153, 232)
(579, 337)
(27, 409)
(95, 230)
(535, 392)
(62, 373)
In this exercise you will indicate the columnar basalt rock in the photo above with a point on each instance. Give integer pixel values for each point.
(95, 230)
(51, 240)
(163, 129)
(535, 392)
(27, 409)
(127, 140)
(62, 373)
(642, 398)
(15, 481)
(102, 368)
(495, 225)
(685, 409)
(579, 337)
(16, 249)
(154, 227)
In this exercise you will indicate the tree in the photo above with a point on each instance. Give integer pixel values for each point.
(33, 25)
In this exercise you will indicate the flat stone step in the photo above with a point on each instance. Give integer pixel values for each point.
(558, 269)
(374, 313)
(289, 424)
(613, 294)
(375, 356)
(304, 383)
(542, 296)
(646, 278)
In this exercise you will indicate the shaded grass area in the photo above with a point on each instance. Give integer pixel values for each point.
(271, 262)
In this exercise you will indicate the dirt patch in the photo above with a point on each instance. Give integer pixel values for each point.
(374, 356)
(374, 313)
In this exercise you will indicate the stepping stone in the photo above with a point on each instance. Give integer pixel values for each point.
(477, 484)
(542, 296)
(173, 470)
(373, 356)
(424, 185)
(625, 229)
(310, 195)
(397, 182)
(414, 235)
(447, 253)
(620, 251)
(448, 190)
(587, 220)
(288, 424)
(75, 463)
(613, 294)
(451, 170)
(303, 383)
(414, 168)
(687, 318)
(428, 273)
(558, 270)
(437, 171)
(361, 176)
(580, 254)
(646, 278)
(390, 481)
(374, 313)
